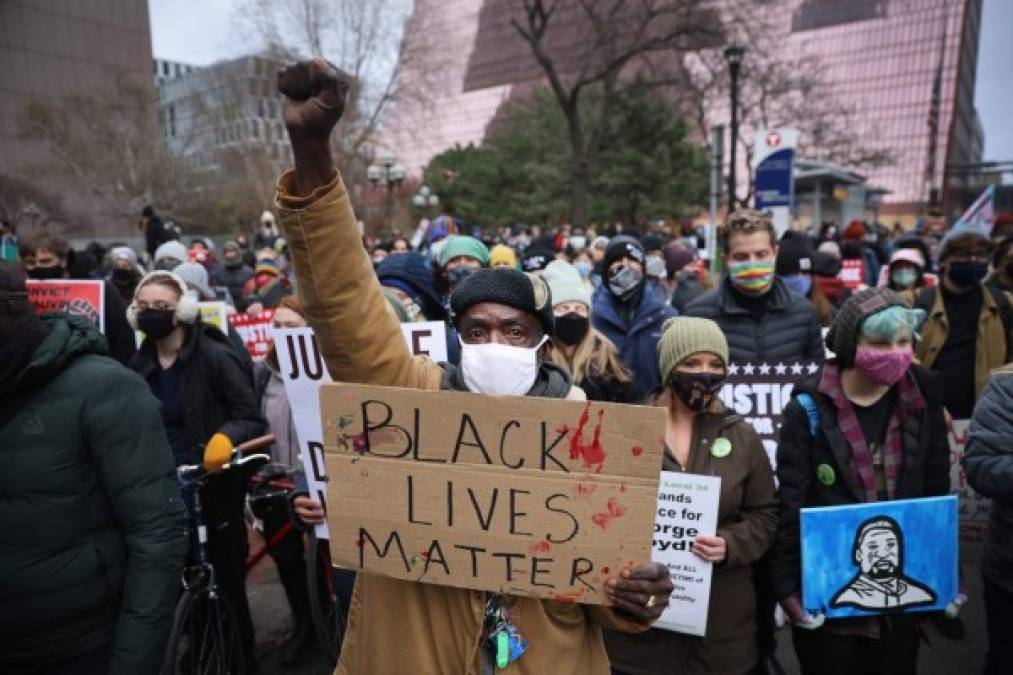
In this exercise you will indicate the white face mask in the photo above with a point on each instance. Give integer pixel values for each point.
(493, 368)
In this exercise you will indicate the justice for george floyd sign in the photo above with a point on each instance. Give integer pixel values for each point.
(526, 496)
(759, 391)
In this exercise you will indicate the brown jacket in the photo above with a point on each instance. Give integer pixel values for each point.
(990, 349)
(398, 626)
(747, 520)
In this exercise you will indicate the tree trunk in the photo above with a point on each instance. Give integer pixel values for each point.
(580, 167)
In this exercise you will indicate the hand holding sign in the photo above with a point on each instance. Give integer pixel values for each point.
(642, 592)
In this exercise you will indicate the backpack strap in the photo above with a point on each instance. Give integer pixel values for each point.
(811, 411)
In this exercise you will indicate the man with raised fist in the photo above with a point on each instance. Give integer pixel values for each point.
(503, 316)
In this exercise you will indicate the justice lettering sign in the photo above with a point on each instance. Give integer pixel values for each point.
(525, 496)
(759, 391)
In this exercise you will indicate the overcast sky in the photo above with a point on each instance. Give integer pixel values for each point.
(203, 31)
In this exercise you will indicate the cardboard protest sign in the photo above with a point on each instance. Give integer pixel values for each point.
(687, 507)
(526, 496)
(852, 273)
(428, 338)
(759, 391)
(973, 508)
(255, 332)
(303, 371)
(863, 559)
(216, 314)
(79, 297)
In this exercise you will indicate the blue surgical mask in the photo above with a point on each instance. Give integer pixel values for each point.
(800, 283)
(585, 267)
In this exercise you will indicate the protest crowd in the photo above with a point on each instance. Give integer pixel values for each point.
(100, 415)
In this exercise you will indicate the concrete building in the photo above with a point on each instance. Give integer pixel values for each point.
(228, 108)
(905, 67)
(50, 50)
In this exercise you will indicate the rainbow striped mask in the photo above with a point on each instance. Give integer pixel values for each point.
(752, 278)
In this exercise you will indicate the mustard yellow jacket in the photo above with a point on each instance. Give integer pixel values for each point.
(989, 350)
(399, 626)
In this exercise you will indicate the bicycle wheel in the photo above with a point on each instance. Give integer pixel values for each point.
(325, 608)
(205, 637)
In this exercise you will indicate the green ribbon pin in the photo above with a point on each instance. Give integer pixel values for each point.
(825, 474)
(722, 447)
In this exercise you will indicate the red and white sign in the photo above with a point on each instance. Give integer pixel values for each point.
(852, 273)
(79, 297)
(255, 331)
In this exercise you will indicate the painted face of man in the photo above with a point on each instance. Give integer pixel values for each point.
(880, 554)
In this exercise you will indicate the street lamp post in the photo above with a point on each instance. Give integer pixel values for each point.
(392, 173)
(733, 55)
(425, 198)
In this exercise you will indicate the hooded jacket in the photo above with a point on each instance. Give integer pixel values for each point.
(988, 462)
(397, 626)
(89, 505)
(788, 329)
(637, 341)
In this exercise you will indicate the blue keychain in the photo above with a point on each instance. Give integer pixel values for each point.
(509, 643)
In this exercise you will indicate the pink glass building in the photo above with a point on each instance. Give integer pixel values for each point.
(883, 58)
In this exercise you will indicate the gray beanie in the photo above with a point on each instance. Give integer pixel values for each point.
(683, 336)
(844, 331)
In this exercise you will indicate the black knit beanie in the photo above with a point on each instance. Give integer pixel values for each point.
(504, 286)
(623, 245)
(842, 339)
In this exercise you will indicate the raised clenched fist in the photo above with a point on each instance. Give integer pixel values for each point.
(315, 93)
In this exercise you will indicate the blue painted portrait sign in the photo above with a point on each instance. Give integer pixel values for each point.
(864, 559)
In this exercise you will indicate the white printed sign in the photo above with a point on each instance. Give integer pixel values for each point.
(687, 507)
(428, 338)
(303, 371)
(974, 509)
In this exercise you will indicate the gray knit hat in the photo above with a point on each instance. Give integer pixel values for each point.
(844, 331)
(684, 336)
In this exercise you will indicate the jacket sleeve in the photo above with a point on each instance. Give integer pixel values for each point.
(750, 538)
(359, 335)
(794, 476)
(134, 467)
(988, 457)
(610, 619)
(234, 385)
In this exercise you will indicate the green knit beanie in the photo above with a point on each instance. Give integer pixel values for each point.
(462, 245)
(684, 336)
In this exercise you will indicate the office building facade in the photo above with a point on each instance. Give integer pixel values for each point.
(905, 68)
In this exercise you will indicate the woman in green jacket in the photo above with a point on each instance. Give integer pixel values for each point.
(701, 437)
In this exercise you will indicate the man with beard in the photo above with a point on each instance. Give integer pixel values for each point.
(504, 318)
(880, 583)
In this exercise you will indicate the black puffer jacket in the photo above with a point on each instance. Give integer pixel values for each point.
(988, 461)
(789, 329)
(925, 472)
(92, 522)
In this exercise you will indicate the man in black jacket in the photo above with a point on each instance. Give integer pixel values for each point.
(46, 256)
(988, 461)
(92, 550)
(759, 315)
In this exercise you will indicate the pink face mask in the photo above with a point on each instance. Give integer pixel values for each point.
(883, 367)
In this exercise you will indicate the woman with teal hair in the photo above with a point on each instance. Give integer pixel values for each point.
(869, 427)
